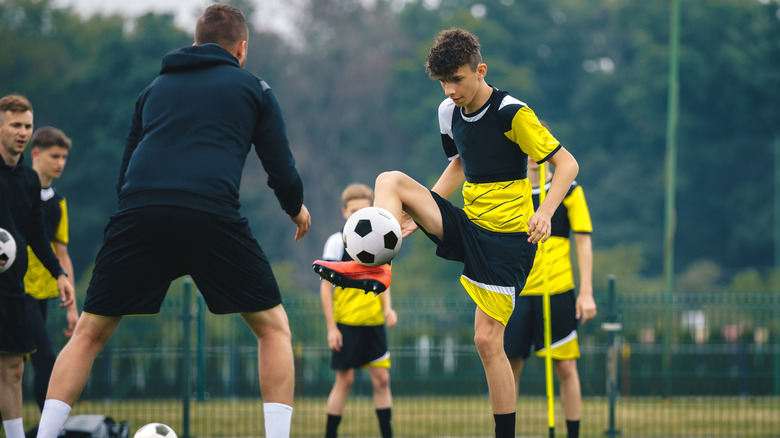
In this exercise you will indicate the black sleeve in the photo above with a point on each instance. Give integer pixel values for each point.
(38, 241)
(273, 149)
(131, 142)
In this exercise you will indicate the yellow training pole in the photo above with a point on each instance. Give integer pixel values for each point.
(548, 363)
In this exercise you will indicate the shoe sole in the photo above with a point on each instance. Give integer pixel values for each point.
(339, 279)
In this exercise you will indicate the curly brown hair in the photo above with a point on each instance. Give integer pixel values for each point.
(453, 49)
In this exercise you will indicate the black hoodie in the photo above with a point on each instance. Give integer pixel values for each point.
(191, 132)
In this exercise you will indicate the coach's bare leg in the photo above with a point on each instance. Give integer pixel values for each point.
(489, 339)
(11, 370)
(74, 362)
(275, 362)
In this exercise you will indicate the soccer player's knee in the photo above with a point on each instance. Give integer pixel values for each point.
(13, 371)
(566, 369)
(381, 380)
(487, 345)
(388, 180)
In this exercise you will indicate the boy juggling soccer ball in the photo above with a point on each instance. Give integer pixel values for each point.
(487, 136)
(356, 328)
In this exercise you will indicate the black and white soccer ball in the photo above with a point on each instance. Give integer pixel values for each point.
(372, 236)
(7, 250)
(155, 430)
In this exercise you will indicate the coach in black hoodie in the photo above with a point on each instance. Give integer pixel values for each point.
(178, 213)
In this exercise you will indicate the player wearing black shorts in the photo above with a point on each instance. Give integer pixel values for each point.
(487, 135)
(356, 328)
(49, 149)
(552, 272)
(20, 215)
(178, 213)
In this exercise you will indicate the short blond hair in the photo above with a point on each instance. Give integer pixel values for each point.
(356, 191)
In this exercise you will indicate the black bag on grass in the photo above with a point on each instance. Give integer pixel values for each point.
(94, 426)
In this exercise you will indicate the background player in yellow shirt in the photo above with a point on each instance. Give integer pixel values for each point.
(356, 328)
(49, 150)
(526, 326)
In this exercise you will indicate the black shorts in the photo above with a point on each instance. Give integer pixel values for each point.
(16, 313)
(495, 265)
(362, 346)
(146, 248)
(526, 327)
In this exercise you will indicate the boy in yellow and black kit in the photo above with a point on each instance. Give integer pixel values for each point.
(356, 328)
(49, 149)
(552, 272)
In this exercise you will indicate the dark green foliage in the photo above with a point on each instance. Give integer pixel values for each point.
(357, 101)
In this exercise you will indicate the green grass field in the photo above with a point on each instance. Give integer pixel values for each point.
(423, 416)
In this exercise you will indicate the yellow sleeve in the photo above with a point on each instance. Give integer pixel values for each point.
(579, 215)
(533, 138)
(61, 235)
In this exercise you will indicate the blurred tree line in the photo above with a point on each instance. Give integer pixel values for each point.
(357, 101)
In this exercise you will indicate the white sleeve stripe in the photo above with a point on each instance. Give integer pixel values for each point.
(334, 248)
(446, 110)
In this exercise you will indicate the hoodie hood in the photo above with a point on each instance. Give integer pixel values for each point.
(197, 57)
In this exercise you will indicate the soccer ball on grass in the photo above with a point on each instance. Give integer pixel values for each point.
(7, 250)
(155, 430)
(372, 236)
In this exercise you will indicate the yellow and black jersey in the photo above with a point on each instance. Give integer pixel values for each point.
(493, 144)
(38, 282)
(351, 306)
(553, 259)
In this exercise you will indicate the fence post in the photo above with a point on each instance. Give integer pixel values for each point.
(612, 326)
(186, 366)
(201, 388)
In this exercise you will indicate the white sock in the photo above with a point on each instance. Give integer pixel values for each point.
(53, 418)
(14, 428)
(277, 420)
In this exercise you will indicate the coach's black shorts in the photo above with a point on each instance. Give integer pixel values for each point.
(526, 327)
(16, 337)
(362, 346)
(144, 249)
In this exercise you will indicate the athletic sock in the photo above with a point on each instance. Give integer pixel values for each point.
(505, 425)
(332, 426)
(384, 416)
(277, 420)
(573, 428)
(53, 417)
(14, 428)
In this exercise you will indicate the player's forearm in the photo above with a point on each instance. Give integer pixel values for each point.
(385, 298)
(585, 262)
(326, 298)
(566, 169)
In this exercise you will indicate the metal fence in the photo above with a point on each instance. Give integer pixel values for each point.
(704, 365)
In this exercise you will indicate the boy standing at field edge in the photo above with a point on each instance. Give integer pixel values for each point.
(356, 328)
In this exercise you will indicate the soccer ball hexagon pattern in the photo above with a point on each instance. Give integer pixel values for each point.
(155, 430)
(372, 236)
(7, 250)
